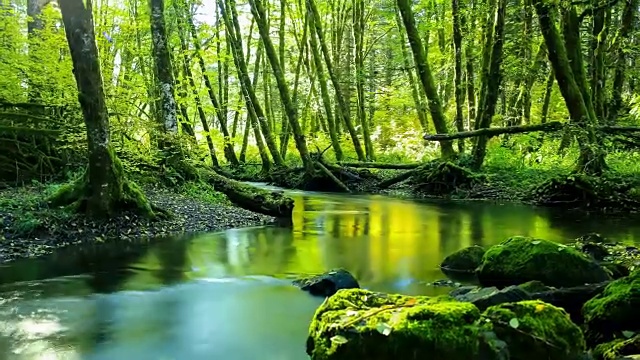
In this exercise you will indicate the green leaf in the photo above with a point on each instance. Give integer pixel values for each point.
(536, 242)
(384, 329)
(628, 334)
(339, 339)
(514, 323)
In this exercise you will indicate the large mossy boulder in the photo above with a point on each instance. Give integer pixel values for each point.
(614, 311)
(521, 259)
(359, 324)
(465, 260)
(536, 330)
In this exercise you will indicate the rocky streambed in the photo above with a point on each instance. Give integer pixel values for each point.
(528, 298)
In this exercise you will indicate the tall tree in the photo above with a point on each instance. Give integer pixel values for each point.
(104, 189)
(258, 11)
(163, 68)
(425, 76)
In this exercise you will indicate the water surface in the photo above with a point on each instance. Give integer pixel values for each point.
(228, 295)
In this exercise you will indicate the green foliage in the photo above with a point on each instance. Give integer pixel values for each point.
(25, 210)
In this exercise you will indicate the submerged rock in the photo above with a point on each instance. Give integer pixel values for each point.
(536, 330)
(359, 324)
(521, 259)
(328, 283)
(614, 311)
(465, 260)
(618, 349)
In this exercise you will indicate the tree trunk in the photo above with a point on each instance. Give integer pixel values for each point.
(470, 74)
(229, 14)
(186, 61)
(620, 62)
(591, 159)
(492, 75)
(292, 113)
(421, 109)
(598, 48)
(547, 96)
(358, 34)
(324, 92)
(457, 49)
(425, 75)
(221, 115)
(340, 99)
(163, 68)
(103, 190)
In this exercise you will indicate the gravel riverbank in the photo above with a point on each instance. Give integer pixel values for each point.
(42, 230)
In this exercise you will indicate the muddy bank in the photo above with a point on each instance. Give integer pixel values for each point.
(29, 228)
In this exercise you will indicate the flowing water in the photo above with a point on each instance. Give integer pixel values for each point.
(228, 296)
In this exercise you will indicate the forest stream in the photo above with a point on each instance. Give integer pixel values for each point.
(228, 295)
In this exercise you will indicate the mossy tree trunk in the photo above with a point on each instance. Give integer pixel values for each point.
(103, 190)
(343, 107)
(163, 68)
(491, 78)
(629, 18)
(457, 49)
(324, 92)
(230, 16)
(221, 114)
(258, 11)
(566, 61)
(425, 76)
(600, 30)
(358, 34)
(253, 116)
(551, 78)
(421, 109)
(186, 62)
(470, 70)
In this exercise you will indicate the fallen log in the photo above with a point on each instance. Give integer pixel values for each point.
(372, 165)
(520, 129)
(270, 203)
(330, 175)
(397, 179)
(490, 132)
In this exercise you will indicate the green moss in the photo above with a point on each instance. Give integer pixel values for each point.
(359, 324)
(467, 259)
(534, 286)
(536, 330)
(616, 349)
(615, 310)
(521, 259)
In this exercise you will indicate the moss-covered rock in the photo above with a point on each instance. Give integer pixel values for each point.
(615, 310)
(465, 260)
(617, 349)
(536, 330)
(535, 286)
(521, 259)
(359, 324)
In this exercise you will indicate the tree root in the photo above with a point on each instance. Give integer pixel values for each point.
(583, 191)
(126, 196)
(445, 178)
